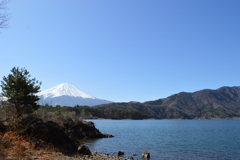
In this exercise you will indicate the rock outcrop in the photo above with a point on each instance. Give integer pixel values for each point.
(47, 133)
(63, 135)
(82, 129)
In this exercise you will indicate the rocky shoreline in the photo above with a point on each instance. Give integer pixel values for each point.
(57, 140)
(97, 156)
(94, 156)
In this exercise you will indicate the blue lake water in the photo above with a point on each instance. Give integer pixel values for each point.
(170, 139)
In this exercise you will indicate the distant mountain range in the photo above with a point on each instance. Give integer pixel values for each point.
(66, 94)
(205, 104)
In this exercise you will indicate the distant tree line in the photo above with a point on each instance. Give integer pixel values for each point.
(86, 112)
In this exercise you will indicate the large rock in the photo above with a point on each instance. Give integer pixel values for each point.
(84, 150)
(145, 154)
(120, 153)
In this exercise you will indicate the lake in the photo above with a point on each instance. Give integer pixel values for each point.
(170, 139)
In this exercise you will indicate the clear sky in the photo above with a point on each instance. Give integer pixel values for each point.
(125, 50)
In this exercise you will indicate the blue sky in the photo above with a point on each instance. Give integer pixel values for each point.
(125, 50)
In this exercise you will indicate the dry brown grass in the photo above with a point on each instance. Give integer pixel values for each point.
(2, 150)
(14, 146)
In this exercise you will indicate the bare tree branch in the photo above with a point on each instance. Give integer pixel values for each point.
(4, 17)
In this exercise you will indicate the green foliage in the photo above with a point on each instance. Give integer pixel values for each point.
(20, 89)
(91, 112)
(58, 112)
(116, 113)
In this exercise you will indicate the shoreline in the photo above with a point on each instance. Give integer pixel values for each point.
(93, 156)
(234, 118)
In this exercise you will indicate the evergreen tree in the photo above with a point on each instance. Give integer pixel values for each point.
(20, 90)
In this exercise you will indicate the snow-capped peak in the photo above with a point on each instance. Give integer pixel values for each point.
(64, 89)
(3, 98)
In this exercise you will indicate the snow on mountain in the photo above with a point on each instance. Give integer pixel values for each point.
(67, 95)
(3, 98)
(64, 89)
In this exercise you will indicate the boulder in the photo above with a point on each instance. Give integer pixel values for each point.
(120, 153)
(145, 154)
(84, 150)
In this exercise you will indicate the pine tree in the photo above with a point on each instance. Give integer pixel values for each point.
(20, 90)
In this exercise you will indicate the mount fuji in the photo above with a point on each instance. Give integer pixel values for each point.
(66, 94)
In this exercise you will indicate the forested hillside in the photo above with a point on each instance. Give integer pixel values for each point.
(86, 112)
(205, 104)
